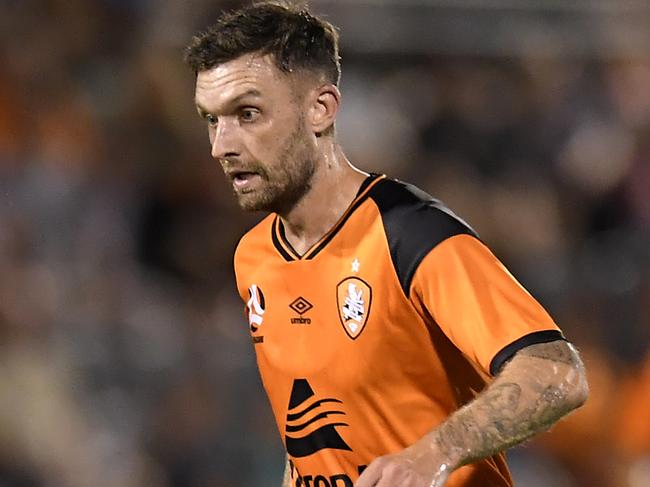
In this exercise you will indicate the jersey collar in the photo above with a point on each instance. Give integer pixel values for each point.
(286, 250)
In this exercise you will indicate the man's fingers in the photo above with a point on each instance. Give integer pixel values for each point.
(391, 476)
(368, 479)
(440, 480)
(371, 475)
(389, 471)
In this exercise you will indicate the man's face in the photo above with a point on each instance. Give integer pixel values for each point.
(257, 131)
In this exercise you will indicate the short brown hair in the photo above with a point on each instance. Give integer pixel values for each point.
(295, 39)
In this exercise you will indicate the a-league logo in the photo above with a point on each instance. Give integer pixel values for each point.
(255, 307)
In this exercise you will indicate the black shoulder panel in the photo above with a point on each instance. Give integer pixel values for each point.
(414, 223)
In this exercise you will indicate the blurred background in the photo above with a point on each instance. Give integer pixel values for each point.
(125, 359)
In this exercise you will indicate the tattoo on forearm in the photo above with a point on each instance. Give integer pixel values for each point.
(508, 413)
(547, 405)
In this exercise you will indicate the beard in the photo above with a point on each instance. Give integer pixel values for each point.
(284, 181)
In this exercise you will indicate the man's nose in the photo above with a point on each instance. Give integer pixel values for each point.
(224, 141)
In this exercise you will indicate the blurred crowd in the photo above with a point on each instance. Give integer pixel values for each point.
(125, 359)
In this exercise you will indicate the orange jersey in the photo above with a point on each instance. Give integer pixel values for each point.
(373, 337)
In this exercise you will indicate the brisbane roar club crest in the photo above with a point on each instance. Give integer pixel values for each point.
(353, 297)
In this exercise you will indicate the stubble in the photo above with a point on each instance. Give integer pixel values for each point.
(287, 180)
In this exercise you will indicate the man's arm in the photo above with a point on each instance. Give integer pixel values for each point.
(539, 385)
(286, 479)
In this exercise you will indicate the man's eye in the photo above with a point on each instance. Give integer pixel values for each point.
(211, 119)
(249, 114)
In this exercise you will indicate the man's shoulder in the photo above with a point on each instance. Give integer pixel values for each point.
(409, 211)
(414, 222)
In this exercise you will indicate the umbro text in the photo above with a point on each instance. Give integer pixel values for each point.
(301, 321)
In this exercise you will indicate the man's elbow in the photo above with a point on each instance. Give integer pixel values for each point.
(577, 386)
(557, 366)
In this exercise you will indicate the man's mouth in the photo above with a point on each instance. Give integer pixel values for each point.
(244, 179)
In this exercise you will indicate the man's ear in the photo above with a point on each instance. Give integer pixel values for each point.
(324, 106)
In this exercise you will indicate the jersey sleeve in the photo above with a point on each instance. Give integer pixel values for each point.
(478, 304)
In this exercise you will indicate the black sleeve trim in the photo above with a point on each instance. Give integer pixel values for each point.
(414, 223)
(507, 352)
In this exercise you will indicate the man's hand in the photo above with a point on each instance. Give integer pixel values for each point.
(417, 466)
(286, 478)
(539, 385)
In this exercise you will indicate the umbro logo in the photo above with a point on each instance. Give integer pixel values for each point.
(308, 428)
(301, 306)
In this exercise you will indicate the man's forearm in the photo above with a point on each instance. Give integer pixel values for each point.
(541, 384)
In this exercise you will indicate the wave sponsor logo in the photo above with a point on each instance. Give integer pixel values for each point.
(353, 296)
(255, 309)
(301, 306)
(336, 480)
(310, 425)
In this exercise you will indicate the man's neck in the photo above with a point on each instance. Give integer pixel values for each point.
(334, 186)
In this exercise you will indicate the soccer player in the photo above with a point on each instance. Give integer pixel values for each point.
(395, 349)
